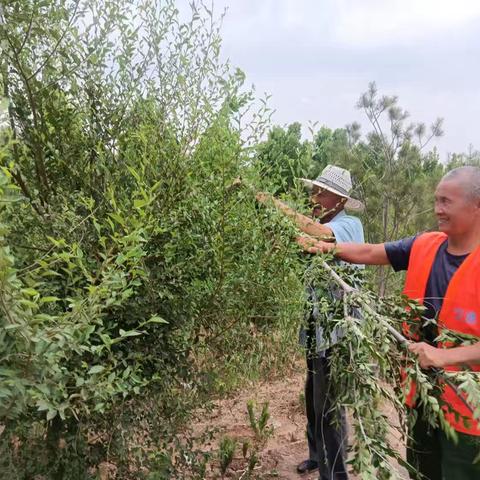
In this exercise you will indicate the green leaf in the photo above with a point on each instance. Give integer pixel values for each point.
(28, 303)
(49, 300)
(157, 319)
(96, 369)
(141, 202)
(30, 291)
(14, 326)
(51, 414)
(134, 173)
(42, 405)
(129, 333)
(117, 218)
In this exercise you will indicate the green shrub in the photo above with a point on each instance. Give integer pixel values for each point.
(133, 279)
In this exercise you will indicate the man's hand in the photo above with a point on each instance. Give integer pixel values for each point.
(427, 355)
(311, 245)
(306, 242)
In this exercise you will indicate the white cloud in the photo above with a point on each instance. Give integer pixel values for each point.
(347, 23)
(399, 22)
(317, 56)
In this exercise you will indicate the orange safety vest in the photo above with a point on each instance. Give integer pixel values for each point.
(460, 312)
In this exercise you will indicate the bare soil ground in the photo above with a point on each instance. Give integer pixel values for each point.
(285, 448)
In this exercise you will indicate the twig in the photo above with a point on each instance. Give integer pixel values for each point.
(57, 44)
(349, 289)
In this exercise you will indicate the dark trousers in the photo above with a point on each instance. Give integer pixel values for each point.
(326, 422)
(436, 457)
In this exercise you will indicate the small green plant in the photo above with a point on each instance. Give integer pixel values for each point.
(252, 462)
(226, 453)
(259, 424)
(246, 445)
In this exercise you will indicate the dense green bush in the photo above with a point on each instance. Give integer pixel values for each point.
(136, 274)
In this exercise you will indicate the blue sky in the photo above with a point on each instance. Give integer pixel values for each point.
(317, 57)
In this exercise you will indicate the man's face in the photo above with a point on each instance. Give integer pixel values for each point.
(325, 203)
(456, 213)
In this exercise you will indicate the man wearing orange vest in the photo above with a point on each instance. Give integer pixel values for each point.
(443, 272)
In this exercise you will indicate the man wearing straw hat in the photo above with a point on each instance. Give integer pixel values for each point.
(326, 433)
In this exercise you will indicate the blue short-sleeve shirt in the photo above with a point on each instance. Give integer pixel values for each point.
(346, 229)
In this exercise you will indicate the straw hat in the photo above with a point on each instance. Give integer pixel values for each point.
(336, 180)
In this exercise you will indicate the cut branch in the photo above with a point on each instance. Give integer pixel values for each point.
(401, 339)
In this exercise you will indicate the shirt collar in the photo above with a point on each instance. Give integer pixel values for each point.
(339, 215)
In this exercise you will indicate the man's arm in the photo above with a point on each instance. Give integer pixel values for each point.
(375, 254)
(361, 253)
(429, 356)
(304, 223)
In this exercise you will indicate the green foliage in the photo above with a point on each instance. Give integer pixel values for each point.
(133, 278)
(471, 157)
(252, 462)
(329, 146)
(365, 368)
(226, 453)
(250, 448)
(393, 173)
(259, 424)
(284, 157)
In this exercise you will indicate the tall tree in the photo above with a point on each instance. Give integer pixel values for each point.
(330, 146)
(284, 156)
(397, 177)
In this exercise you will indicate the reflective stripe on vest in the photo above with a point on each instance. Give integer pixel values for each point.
(460, 312)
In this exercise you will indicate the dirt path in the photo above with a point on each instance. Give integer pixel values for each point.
(285, 448)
